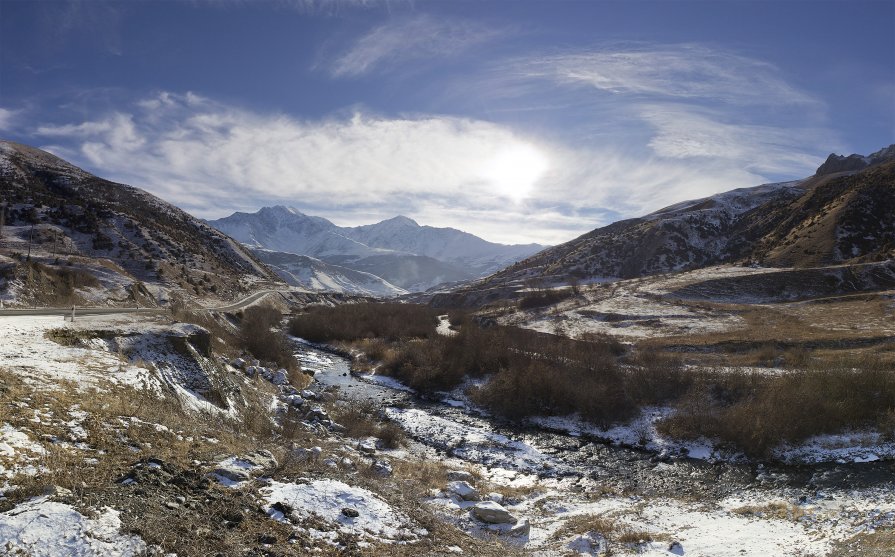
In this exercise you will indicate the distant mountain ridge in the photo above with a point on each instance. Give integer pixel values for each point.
(845, 213)
(399, 250)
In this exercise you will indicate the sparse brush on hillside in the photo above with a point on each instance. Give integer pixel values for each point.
(256, 329)
(350, 322)
(756, 412)
(545, 298)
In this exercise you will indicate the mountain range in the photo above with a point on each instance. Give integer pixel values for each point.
(403, 254)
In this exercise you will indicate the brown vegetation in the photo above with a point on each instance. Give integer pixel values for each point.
(349, 322)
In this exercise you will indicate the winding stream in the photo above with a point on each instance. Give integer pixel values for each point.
(456, 430)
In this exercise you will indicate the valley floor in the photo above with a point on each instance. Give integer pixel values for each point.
(120, 435)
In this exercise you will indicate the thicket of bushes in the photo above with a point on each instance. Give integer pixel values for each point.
(349, 322)
(544, 298)
(534, 373)
(756, 412)
(256, 330)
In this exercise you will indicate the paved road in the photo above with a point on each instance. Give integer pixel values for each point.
(247, 301)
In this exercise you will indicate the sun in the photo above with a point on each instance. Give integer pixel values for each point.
(514, 170)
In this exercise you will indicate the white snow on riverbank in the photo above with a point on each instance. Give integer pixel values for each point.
(326, 499)
(43, 528)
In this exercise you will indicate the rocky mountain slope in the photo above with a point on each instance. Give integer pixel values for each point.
(398, 250)
(314, 274)
(71, 237)
(834, 217)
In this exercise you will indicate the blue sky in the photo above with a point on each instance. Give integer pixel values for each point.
(518, 121)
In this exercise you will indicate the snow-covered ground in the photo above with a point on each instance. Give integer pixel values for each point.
(44, 528)
(333, 501)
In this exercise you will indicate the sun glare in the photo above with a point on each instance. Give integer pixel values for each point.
(514, 170)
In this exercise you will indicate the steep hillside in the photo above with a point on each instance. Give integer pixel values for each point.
(67, 231)
(830, 218)
(314, 274)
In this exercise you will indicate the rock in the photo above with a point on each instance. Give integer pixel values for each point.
(347, 463)
(460, 476)
(381, 468)
(676, 548)
(493, 513)
(262, 458)
(317, 413)
(464, 491)
(520, 529)
(331, 462)
(367, 446)
(310, 395)
(591, 543)
(233, 474)
(350, 513)
(284, 508)
(279, 377)
(301, 454)
(316, 452)
(267, 539)
(494, 496)
(251, 371)
(172, 505)
(296, 400)
(238, 363)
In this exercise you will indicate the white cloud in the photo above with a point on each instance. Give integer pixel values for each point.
(670, 71)
(401, 40)
(686, 132)
(212, 159)
(8, 118)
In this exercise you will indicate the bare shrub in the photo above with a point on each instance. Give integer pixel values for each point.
(265, 343)
(390, 321)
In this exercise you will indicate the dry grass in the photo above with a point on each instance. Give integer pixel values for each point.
(619, 535)
(780, 510)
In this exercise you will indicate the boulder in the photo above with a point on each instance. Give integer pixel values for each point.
(310, 395)
(492, 513)
(233, 473)
(238, 363)
(367, 446)
(591, 543)
(464, 491)
(460, 476)
(317, 413)
(381, 468)
(279, 377)
(520, 529)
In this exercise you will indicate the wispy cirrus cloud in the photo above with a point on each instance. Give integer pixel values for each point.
(403, 40)
(687, 71)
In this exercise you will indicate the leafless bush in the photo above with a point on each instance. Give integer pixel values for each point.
(390, 321)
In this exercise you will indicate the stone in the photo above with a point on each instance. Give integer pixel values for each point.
(460, 476)
(381, 468)
(310, 395)
(233, 474)
(350, 513)
(267, 539)
(591, 543)
(520, 529)
(676, 548)
(251, 371)
(464, 491)
(262, 458)
(492, 513)
(494, 496)
(367, 446)
(238, 363)
(296, 400)
(279, 377)
(317, 413)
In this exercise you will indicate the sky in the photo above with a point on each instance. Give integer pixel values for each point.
(519, 121)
